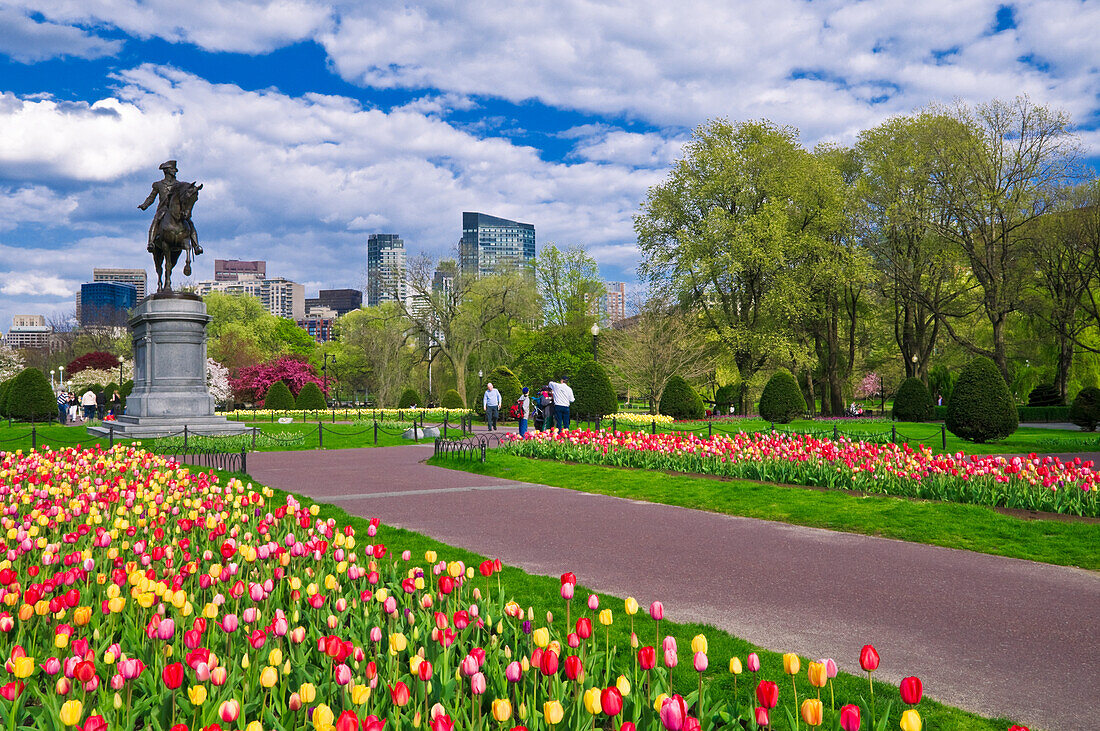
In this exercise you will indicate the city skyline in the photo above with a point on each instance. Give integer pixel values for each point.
(314, 123)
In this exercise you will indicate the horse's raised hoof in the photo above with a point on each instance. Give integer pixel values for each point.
(186, 270)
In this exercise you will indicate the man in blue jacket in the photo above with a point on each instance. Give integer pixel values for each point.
(491, 401)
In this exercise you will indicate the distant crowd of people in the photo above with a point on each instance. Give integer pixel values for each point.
(72, 409)
(550, 407)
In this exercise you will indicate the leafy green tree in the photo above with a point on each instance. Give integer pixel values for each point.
(310, 398)
(593, 391)
(5, 387)
(1085, 411)
(30, 397)
(375, 347)
(912, 402)
(544, 355)
(568, 285)
(452, 399)
(727, 229)
(292, 338)
(981, 408)
(781, 400)
(279, 397)
(680, 401)
(505, 381)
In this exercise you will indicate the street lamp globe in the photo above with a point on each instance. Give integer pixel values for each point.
(914, 359)
(595, 330)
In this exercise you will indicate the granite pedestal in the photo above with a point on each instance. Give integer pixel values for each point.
(169, 331)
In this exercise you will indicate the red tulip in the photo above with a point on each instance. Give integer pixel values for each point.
(486, 568)
(373, 723)
(584, 628)
(548, 664)
(569, 578)
(98, 723)
(573, 667)
(849, 717)
(84, 671)
(611, 701)
(399, 694)
(425, 671)
(767, 693)
(761, 716)
(647, 657)
(442, 722)
(446, 584)
(347, 721)
(868, 658)
(911, 690)
(1017, 728)
(172, 675)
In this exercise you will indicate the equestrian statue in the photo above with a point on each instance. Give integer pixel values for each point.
(172, 232)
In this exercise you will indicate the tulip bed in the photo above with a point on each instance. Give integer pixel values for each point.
(1025, 482)
(140, 594)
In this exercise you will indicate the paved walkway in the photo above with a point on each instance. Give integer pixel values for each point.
(998, 636)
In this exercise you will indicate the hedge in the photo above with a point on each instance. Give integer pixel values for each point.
(981, 408)
(781, 401)
(310, 398)
(680, 401)
(452, 399)
(912, 401)
(30, 397)
(593, 391)
(409, 397)
(278, 397)
(1085, 411)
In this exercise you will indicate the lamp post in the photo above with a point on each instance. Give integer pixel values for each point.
(913, 360)
(324, 370)
(52, 372)
(595, 339)
(61, 376)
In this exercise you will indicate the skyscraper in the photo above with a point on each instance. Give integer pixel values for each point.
(615, 302)
(385, 269)
(106, 303)
(491, 245)
(137, 277)
(235, 270)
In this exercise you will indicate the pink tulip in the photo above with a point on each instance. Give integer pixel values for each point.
(673, 713)
(752, 662)
(700, 662)
(229, 623)
(761, 716)
(469, 666)
(593, 602)
(657, 611)
(513, 672)
(477, 683)
(830, 667)
(343, 674)
(567, 591)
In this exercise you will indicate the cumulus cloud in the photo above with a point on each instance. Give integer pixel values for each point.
(34, 204)
(27, 40)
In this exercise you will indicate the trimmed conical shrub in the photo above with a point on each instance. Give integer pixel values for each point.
(310, 398)
(4, 388)
(278, 397)
(30, 397)
(1085, 411)
(981, 408)
(782, 402)
(680, 401)
(1045, 394)
(593, 390)
(912, 402)
(452, 399)
(724, 398)
(409, 397)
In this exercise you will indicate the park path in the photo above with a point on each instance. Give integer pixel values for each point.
(998, 636)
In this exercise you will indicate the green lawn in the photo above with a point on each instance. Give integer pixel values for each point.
(1025, 440)
(542, 593)
(969, 527)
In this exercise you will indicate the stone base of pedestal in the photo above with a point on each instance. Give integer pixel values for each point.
(170, 392)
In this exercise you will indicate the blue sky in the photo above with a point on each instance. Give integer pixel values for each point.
(313, 123)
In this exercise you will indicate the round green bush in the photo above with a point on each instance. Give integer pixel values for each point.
(30, 397)
(452, 399)
(5, 386)
(310, 398)
(409, 398)
(680, 401)
(981, 408)
(1085, 411)
(724, 398)
(594, 392)
(1045, 394)
(278, 397)
(912, 402)
(505, 381)
(781, 401)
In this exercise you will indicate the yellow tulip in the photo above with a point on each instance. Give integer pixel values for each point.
(699, 644)
(322, 718)
(502, 710)
(812, 712)
(254, 726)
(541, 637)
(817, 675)
(275, 657)
(22, 667)
(398, 643)
(197, 694)
(553, 712)
(659, 701)
(430, 556)
(791, 663)
(605, 617)
(71, 712)
(623, 685)
(592, 701)
(308, 692)
(269, 677)
(910, 720)
(735, 665)
(631, 606)
(360, 694)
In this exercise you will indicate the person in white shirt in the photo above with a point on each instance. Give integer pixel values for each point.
(563, 396)
(88, 402)
(491, 402)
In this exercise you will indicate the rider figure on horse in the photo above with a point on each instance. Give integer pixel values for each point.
(162, 189)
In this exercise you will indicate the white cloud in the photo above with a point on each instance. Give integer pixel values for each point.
(38, 283)
(28, 41)
(33, 204)
(648, 149)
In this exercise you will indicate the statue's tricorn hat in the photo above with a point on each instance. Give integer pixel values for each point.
(171, 164)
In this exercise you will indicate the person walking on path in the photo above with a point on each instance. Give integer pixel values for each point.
(491, 402)
(524, 411)
(62, 406)
(563, 396)
(88, 402)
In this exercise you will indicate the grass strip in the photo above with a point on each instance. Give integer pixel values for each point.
(543, 594)
(952, 525)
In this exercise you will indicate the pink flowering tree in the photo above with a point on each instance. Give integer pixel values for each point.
(870, 386)
(251, 383)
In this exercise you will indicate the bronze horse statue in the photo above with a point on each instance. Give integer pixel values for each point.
(175, 234)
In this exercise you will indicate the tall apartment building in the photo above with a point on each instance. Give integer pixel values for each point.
(106, 303)
(615, 302)
(281, 297)
(136, 277)
(28, 331)
(385, 269)
(490, 245)
(235, 270)
(443, 280)
(341, 301)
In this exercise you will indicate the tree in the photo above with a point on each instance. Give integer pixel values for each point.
(452, 399)
(724, 398)
(569, 285)
(30, 397)
(293, 339)
(409, 398)
(373, 340)
(11, 362)
(594, 393)
(661, 340)
(217, 382)
(1085, 411)
(252, 383)
(545, 355)
(781, 401)
(680, 401)
(726, 231)
(277, 397)
(310, 398)
(469, 315)
(981, 408)
(912, 402)
(995, 169)
(97, 361)
(509, 386)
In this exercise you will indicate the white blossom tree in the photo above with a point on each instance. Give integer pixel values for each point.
(11, 362)
(217, 381)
